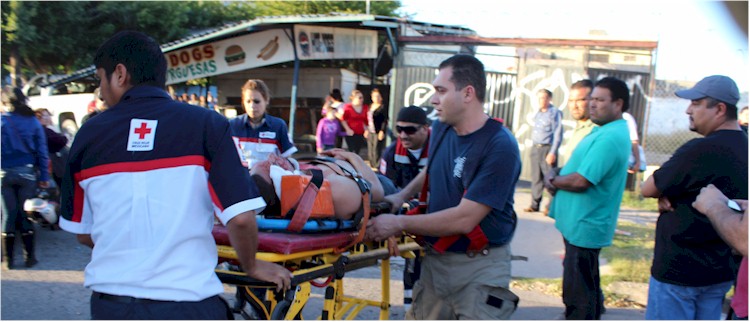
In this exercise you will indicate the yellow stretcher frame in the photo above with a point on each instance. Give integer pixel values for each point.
(310, 265)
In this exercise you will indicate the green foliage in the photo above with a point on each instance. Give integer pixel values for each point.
(630, 256)
(62, 36)
(279, 8)
(634, 200)
(41, 32)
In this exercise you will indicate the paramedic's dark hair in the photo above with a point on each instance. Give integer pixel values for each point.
(139, 53)
(467, 70)
(16, 101)
(618, 88)
(584, 83)
(336, 94)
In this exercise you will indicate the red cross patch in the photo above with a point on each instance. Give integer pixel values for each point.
(142, 134)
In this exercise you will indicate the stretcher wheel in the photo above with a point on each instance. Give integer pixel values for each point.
(279, 312)
(282, 308)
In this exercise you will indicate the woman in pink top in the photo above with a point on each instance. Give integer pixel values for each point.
(354, 121)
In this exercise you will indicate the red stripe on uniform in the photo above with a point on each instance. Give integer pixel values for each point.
(77, 200)
(260, 140)
(140, 166)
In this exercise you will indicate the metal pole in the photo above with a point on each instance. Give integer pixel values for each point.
(650, 98)
(295, 82)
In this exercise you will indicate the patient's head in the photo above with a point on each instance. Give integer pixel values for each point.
(263, 168)
(281, 162)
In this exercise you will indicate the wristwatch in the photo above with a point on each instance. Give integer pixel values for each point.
(734, 205)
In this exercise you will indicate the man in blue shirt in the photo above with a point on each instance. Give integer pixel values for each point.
(473, 169)
(588, 193)
(546, 138)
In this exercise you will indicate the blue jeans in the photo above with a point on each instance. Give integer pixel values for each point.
(676, 302)
(18, 184)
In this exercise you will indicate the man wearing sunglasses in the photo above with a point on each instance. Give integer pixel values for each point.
(401, 162)
(403, 159)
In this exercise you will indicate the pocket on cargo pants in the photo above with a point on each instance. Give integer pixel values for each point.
(486, 302)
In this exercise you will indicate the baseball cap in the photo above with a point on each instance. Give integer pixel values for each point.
(719, 87)
(412, 114)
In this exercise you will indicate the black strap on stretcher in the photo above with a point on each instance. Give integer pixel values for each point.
(360, 218)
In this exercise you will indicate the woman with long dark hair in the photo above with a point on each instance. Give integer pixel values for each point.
(24, 167)
(354, 121)
(377, 123)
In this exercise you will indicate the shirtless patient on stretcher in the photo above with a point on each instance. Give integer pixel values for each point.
(347, 198)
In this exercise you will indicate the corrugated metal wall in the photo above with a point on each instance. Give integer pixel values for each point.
(500, 101)
(413, 86)
(555, 76)
(513, 97)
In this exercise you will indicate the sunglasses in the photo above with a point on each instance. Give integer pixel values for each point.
(409, 130)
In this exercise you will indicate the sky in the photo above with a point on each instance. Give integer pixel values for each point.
(695, 38)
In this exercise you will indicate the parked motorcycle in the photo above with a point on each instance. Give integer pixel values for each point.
(44, 208)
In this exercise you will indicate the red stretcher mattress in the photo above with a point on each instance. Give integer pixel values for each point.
(283, 243)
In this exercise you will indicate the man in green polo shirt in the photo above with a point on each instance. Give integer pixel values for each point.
(578, 104)
(588, 192)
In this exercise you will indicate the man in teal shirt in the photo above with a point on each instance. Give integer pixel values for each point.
(588, 193)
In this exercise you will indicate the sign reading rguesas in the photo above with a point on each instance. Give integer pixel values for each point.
(192, 62)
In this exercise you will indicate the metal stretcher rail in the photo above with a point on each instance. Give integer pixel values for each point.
(308, 266)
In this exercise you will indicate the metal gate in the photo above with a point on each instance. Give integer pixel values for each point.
(413, 86)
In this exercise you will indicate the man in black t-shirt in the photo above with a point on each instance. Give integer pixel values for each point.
(693, 267)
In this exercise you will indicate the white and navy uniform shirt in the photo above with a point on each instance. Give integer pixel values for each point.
(271, 136)
(145, 179)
